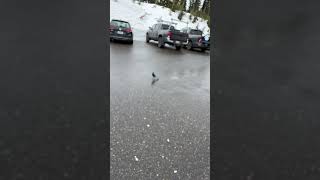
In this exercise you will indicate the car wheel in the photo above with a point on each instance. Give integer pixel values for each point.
(131, 42)
(160, 42)
(189, 45)
(147, 38)
(178, 48)
(203, 50)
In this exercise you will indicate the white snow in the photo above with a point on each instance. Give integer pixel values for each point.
(175, 171)
(168, 140)
(129, 11)
(135, 158)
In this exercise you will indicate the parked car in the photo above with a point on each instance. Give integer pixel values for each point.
(120, 30)
(166, 34)
(196, 39)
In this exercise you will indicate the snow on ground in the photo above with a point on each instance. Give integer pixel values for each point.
(129, 11)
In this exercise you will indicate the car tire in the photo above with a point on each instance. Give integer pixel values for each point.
(147, 38)
(160, 42)
(131, 42)
(189, 45)
(203, 49)
(178, 48)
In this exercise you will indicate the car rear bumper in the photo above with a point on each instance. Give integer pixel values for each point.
(201, 45)
(121, 38)
(169, 41)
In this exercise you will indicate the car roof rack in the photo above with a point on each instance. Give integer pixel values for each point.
(160, 20)
(186, 22)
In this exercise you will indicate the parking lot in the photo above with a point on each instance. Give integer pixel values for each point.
(159, 129)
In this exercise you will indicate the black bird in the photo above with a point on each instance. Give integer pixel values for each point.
(153, 75)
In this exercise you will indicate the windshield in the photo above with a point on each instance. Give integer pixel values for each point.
(120, 24)
(196, 32)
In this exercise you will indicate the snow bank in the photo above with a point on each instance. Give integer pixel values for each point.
(132, 12)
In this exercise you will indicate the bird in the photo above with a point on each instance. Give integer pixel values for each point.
(154, 78)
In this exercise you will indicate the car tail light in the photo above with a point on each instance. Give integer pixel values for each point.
(169, 34)
(111, 28)
(128, 30)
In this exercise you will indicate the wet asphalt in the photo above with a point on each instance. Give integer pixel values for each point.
(159, 129)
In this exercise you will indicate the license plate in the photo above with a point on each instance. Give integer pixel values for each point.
(119, 32)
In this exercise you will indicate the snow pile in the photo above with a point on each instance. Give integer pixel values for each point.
(145, 15)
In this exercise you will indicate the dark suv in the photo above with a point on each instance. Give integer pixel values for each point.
(166, 34)
(120, 30)
(196, 39)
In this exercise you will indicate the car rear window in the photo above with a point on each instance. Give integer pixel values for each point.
(120, 24)
(195, 32)
(166, 27)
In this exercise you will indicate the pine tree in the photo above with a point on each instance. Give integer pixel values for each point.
(191, 3)
(175, 5)
(196, 5)
(206, 7)
(183, 4)
(205, 3)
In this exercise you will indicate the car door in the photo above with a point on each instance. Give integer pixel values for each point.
(157, 30)
(152, 35)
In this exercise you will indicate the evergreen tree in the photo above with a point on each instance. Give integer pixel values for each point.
(196, 5)
(205, 3)
(191, 3)
(165, 3)
(183, 4)
(206, 7)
